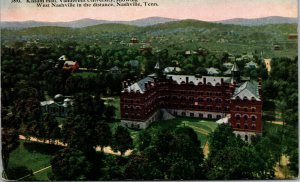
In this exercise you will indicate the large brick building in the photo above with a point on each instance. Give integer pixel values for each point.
(213, 97)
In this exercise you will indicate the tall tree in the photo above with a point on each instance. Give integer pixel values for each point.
(122, 140)
(103, 134)
(71, 164)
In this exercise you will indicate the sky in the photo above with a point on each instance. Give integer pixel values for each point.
(206, 10)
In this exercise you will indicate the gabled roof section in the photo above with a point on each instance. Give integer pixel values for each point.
(248, 90)
(235, 67)
(140, 85)
(157, 66)
(213, 80)
(212, 71)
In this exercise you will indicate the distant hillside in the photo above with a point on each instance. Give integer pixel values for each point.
(169, 28)
(84, 23)
(260, 21)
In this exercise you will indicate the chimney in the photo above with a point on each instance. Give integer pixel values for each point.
(204, 80)
(222, 81)
(187, 80)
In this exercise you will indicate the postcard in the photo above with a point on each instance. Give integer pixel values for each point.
(106, 90)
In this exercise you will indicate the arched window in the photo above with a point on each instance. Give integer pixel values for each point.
(253, 109)
(238, 125)
(238, 117)
(253, 99)
(245, 109)
(237, 108)
(253, 118)
(246, 117)
(218, 84)
(253, 127)
(245, 98)
(238, 98)
(246, 126)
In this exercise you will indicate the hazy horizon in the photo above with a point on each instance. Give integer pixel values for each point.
(205, 10)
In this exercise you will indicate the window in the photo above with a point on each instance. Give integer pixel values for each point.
(192, 114)
(253, 118)
(253, 127)
(245, 109)
(246, 137)
(246, 126)
(253, 109)
(218, 116)
(245, 117)
(237, 117)
(183, 114)
(209, 116)
(238, 108)
(200, 115)
(238, 125)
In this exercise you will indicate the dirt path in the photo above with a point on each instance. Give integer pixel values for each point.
(40, 170)
(106, 150)
(282, 172)
(200, 130)
(276, 122)
(206, 150)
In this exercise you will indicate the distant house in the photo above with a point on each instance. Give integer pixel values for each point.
(212, 71)
(228, 65)
(146, 48)
(172, 70)
(59, 107)
(190, 52)
(277, 47)
(134, 40)
(134, 64)
(115, 70)
(63, 58)
(251, 64)
(293, 36)
(71, 65)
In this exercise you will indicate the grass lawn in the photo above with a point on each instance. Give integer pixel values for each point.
(200, 126)
(114, 101)
(85, 74)
(31, 156)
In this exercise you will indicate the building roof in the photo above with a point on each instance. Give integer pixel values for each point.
(63, 58)
(115, 68)
(235, 67)
(48, 102)
(212, 71)
(251, 64)
(70, 63)
(228, 65)
(134, 63)
(140, 85)
(248, 90)
(157, 66)
(213, 80)
(172, 69)
(227, 72)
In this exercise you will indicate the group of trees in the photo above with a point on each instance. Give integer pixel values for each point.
(280, 94)
(166, 155)
(232, 158)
